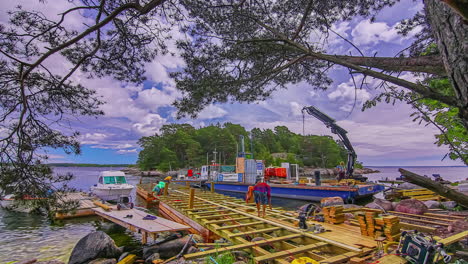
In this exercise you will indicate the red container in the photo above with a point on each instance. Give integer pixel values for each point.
(269, 172)
(280, 172)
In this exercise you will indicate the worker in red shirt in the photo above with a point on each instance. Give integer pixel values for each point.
(262, 195)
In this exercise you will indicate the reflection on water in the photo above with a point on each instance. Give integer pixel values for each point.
(26, 236)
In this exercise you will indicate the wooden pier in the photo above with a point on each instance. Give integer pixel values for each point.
(275, 238)
(89, 205)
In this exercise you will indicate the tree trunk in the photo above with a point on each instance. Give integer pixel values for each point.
(451, 34)
(436, 187)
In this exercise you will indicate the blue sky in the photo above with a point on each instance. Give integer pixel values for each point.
(384, 135)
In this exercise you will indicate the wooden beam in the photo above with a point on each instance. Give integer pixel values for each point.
(241, 246)
(266, 230)
(239, 225)
(289, 252)
(454, 238)
(214, 216)
(425, 229)
(423, 216)
(226, 220)
(191, 197)
(422, 221)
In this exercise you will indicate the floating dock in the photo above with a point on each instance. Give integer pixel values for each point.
(88, 206)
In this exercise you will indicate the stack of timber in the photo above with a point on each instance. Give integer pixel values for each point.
(278, 239)
(392, 227)
(420, 194)
(333, 214)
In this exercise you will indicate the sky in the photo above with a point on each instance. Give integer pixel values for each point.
(382, 136)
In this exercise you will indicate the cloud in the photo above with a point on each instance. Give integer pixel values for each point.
(211, 112)
(127, 151)
(368, 33)
(150, 124)
(346, 93)
(154, 98)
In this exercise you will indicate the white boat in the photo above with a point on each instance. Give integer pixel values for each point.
(112, 185)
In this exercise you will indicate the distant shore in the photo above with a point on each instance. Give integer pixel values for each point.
(88, 165)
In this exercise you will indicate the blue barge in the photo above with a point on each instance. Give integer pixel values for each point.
(309, 193)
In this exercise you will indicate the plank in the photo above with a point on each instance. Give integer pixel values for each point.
(265, 230)
(239, 225)
(422, 216)
(449, 216)
(289, 252)
(420, 228)
(454, 238)
(240, 246)
(226, 220)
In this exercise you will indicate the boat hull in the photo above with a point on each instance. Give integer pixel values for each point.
(111, 194)
(309, 193)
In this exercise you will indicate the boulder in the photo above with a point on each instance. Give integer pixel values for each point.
(153, 256)
(123, 256)
(92, 246)
(408, 186)
(386, 205)
(458, 226)
(373, 205)
(432, 204)
(349, 216)
(103, 261)
(173, 247)
(349, 206)
(449, 204)
(330, 201)
(29, 261)
(191, 250)
(411, 206)
(50, 262)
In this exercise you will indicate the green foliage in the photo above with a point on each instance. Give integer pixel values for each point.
(181, 146)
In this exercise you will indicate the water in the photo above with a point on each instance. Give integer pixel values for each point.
(24, 236)
(455, 173)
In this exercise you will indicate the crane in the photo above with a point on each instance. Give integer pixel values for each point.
(335, 129)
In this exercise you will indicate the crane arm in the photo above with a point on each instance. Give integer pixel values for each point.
(335, 129)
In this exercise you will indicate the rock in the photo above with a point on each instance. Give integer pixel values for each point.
(411, 206)
(150, 250)
(432, 204)
(177, 261)
(349, 216)
(373, 206)
(50, 262)
(198, 238)
(329, 201)
(153, 256)
(103, 261)
(240, 255)
(239, 262)
(458, 226)
(255, 239)
(173, 247)
(92, 246)
(408, 186)
(386, 205)
(449, 204)
(123, 256)
(191, 250)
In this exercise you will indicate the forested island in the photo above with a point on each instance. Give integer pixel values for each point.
(182, 145)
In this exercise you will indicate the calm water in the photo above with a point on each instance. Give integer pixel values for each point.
(24, 236)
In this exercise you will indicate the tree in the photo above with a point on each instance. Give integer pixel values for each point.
(36, 100)
(246, 50)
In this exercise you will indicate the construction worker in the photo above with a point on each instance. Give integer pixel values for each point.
(262, 195)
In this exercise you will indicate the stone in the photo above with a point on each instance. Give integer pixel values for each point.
(153, 256)
(50, 262)
(458, 226)
(240, 255)
(386, 205)
(411, 206)
(449, 204)
(103, 261)
(349, 216)
(191, 250)
(257, 239)
(330, 201)
(239, 262)
(432, 204)
(29, 261)
(173, 247)
(94, 245)
(349, 206)
(408, 186)
(373, 206)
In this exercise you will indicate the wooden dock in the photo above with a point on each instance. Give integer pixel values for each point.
(272, 239)
(148, 228)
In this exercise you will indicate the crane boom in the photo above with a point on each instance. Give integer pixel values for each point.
(335, 129)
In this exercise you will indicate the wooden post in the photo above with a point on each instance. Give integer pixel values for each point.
(191, 198)
(436, 187)
(212, 187)
(187, 184)
(165, 188)
(144, 237)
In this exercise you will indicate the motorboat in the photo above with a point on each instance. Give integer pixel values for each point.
(112, 186)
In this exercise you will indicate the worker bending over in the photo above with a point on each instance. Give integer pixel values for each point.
(262, 195)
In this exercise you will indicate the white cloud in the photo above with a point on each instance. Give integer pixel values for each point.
(154, 98)
(347, 93)
(366, 32)
(211, 112)
(150, 125)
(93, 138)
(296, 109)
(127, 151)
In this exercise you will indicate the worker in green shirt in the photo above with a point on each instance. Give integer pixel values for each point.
(158, 189)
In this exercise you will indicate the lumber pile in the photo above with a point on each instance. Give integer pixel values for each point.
(333, 214)
(372, 225)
